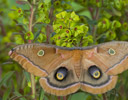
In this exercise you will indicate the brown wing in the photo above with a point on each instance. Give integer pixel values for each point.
(111, 59)
(92, 85)
(47, 65)
(38, 64)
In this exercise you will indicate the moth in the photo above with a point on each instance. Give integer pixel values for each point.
(64, 71)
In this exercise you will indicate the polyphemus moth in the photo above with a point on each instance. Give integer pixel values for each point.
(64, 71)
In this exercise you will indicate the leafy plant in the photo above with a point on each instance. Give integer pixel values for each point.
(67, 23)
(69, 31)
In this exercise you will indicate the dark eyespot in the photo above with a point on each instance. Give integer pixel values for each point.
(61, 73)
(95, 72)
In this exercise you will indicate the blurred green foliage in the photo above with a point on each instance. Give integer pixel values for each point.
(65, 23)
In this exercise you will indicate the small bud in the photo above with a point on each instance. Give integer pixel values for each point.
(59, 37)
(28, 34)
(19, 11)
(42, 6)
(70, 18)
(60, 27)
(104, 22)
(67, 31)
(75, 29)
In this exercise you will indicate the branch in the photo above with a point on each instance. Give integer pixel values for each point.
(49, 28)
(91, 12)
(95, 27)
(97, 14)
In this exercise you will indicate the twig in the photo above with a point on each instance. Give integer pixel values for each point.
(95, 27)
(49, 28)
(94, 32)
(91, 12)
(97, 14)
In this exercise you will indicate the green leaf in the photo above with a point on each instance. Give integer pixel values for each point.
(125, 26)
(24, 6)
(74, 16)
(115, 24)
(47, 1)
(7, 92)
(42, 37)
(25, 21)
(69, 45)
(19, 95)
(118, 4)
(61, 15)
(63, 44)
(27, 76)
(79, 96)
(63, 34)
(18, 39)
(6, 77)
(107, 14)
(76, 34)
(111, 35)
(84, 28)
(58, 27)
(41, 96)
(104, 24)
(85, 44)
(58, 42)
(11, 3)
(116, 12)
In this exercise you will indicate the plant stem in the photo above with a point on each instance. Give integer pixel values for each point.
(95, 26)
(34, 1)
(104, 96)
(31, 18)
(33, 86)
(30, 29)
(59, 98)
(23, 82)
(49, 28)
(64, 98)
